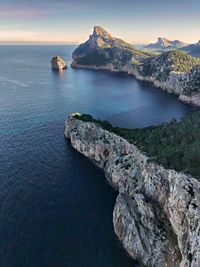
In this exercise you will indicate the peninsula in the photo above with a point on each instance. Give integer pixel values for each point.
(173, 71)
(157, 212)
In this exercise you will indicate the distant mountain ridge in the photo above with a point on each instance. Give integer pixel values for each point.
(192, 49)
(163, 43)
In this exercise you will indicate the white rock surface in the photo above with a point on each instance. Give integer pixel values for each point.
(157, 212)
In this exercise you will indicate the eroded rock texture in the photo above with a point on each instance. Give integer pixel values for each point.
(157, 211)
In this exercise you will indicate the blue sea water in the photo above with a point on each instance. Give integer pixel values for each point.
(56, 207)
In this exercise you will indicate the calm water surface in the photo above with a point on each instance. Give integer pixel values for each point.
(56, 207)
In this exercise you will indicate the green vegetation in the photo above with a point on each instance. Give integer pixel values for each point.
(192, 81)
(180, 61)
(151, 51)
(109, 50)
(113, 54)
(120, 43)
(176, 145)
(93, 58)
(160, 66)
(56, 58)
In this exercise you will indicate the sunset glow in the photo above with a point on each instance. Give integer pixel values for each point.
(72, 21)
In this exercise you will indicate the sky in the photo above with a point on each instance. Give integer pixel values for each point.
(136, 21)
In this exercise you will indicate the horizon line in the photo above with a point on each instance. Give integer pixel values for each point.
(61, 43)
(35, 42)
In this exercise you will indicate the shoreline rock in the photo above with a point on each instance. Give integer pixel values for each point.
(157, 211)
(171, 86)
(57, 63)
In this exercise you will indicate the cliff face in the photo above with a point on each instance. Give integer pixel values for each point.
(157, 211)
(186, 84)
(102, 51)
(172, 71)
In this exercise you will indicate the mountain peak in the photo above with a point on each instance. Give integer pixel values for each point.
(160, 39)
(99, 31)
(163, 43)
(102, 49)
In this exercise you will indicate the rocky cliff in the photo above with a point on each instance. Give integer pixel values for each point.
(102, 51)
(172, 71)
(157, 211)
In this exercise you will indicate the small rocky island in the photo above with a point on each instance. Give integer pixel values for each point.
(173, 71)
(57, 63)
(157, 212)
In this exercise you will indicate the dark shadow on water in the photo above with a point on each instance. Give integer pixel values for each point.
(56, 207)
(58, 74)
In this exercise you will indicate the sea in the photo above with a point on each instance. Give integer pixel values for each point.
(55, 205)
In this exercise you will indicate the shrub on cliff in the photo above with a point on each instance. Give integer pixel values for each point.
(92, 58)
(171, 61)
(191, 83)
(176, 145)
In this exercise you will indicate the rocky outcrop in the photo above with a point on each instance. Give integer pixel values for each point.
(157, 211)
(57, 63)
(186, 85)
(104, 51)
(173, 71)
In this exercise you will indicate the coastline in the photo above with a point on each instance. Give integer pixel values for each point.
(156, 212)
(172, 85)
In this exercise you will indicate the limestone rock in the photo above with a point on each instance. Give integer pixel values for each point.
(57, 63)
(102, 49)
(157, 212)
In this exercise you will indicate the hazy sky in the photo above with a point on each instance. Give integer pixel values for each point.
(137, 21)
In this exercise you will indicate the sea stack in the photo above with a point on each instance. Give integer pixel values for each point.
(57, 63)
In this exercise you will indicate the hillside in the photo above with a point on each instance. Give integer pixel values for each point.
(176, 145)
(162, 65)
(193, 49)
(102, 49)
